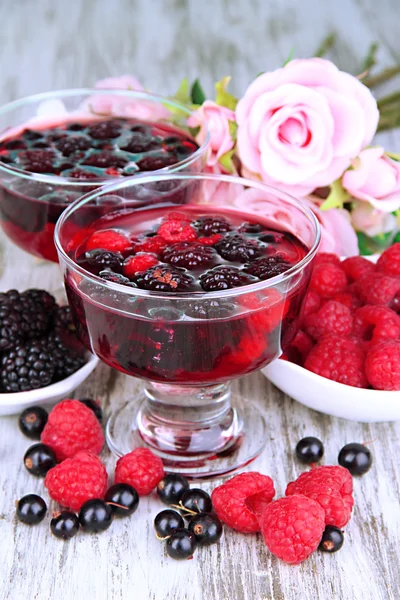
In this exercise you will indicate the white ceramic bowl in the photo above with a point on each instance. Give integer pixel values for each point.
(332, 398)
(11, 404)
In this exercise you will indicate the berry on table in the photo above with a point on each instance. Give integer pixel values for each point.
(94, 406)
(32, 421)
(31, 509)
(64, 525)
(171, 488)
(166, 522)
(181, 544)
(72, 427)
(309, 450)
(239, 501)
(207, 528)
(356, 458)
(95, 515)
(76, 480)
(195, 501)
(382, 366)
(39, 459)
(224, 278)
(123, 499)
(292, 527)
(141, 469)
(332, 539)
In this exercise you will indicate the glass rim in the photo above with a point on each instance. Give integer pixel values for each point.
(101, 181)
(238, 291)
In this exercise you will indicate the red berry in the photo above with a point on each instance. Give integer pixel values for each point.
(292, 528)
(72, 427)
(138, 263)
(348, 299)
(382, 366)
(311, 303)
(177, 231)
(239, 500)
(376, 324)
(209, 241)
(154, 245)
(323, 258)
(331, 487)
(176, 215)
(109, 239)
(141, 469)
(332, 317)
(357, 266)
(389, 261)
(77, 480)
(328, 279)
(339, 359)
(300, 347)
(378, 289)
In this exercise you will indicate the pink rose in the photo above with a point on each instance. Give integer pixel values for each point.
(370, 220)
(123, 82)
(375, 178)
(217, 192)
(216, 119)
(300, 126)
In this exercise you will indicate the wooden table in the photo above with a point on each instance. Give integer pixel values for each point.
(48, 45)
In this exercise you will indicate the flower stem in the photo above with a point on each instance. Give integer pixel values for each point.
(384, 75)
(370, 60)
(394, 97)
(326, 44)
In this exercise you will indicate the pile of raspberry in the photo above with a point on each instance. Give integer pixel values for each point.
(350, 323)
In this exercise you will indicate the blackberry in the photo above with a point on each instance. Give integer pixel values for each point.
(23, 316)
(189, 255)
(251, 228)
(102, 259)
(41, 297)
(105, 130)
(115, 278)
(267, 267)
(69, 145)
(163, 278)
(27, 367)
(66, 353)
(140, 142)
(210, 225)
(10, 331)
(224, 278)
(104, 160)
(62, 318)
(236, 247)
(76, 127)
(15, 145)
(154, 163)
(82, 174)
(209, 309)
(38, 161)
(31, 135)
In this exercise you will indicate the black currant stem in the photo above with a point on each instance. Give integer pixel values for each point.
(382, 77)
(117, 505)
(185, 510)
(326, 44)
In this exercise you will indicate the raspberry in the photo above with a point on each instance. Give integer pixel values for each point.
(357, 266)
(224, 278)
(350, 300)
(235, 247)
(339, 359)
(138, 263)
(176, 231)
(323, 258)
(376, 324)
(38, 161)
(189, 255)
(71, 428)
(311, 303)
(102, 160)
(241, 499)
(154, 245)
(109, 239)
(103, 259)
(378, 289)
(300, 347)
(141, 469)
(328, 279)
(292, 528)
(77, 480)
(209, 226)
(389, 261)
(164, 278)
(209, 241)
(267, 267)
(105, 130)
(331, 487)
(274, 309)
(382, 366)
(332, 317)
(69, 145)
(154, 163)
(176, 215)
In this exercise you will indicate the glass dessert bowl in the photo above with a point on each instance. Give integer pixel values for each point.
(57, 146)
(187, 282)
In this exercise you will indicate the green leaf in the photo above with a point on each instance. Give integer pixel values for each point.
(182, 94)
(227, 162)
(326, 44)
(197, 93)
(393, 155)
(337, 196)
(364, 244)
(290, 56)
(194, 131)
(224, 98)
(233, 126)
(372, 245)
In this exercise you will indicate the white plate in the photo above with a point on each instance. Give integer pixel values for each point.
(332, 398)
(12, 404)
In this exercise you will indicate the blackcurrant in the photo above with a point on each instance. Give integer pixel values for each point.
(123, 499)
(207, 528)
(166, 522)
(332, 539)
(356, 458)
(64, 525)
(195, 501)
(31, 509)
(32, 421)
(39, 459)
(181, 544)
(95, 515)
(309, 450)
(171, 488)
(95, 407)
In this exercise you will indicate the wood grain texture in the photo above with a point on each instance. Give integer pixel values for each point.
(48, 44)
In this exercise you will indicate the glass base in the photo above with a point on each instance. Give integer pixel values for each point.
(199, 433)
